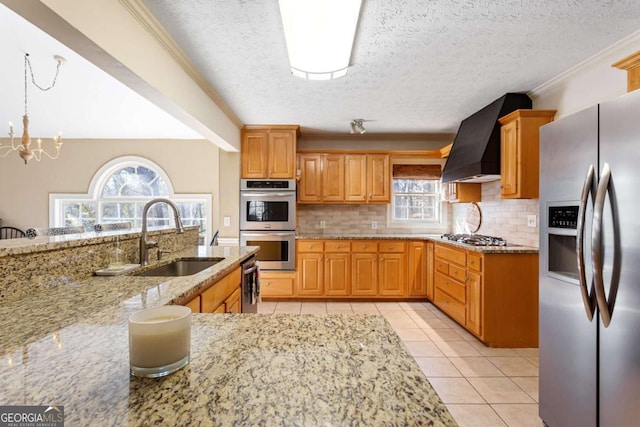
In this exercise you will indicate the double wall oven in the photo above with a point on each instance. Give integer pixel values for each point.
(268, 220)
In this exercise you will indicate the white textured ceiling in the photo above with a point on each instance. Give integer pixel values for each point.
(419, 66)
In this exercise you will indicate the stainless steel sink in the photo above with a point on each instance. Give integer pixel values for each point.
(181, 267)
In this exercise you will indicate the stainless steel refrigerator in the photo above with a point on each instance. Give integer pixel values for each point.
(590, 266)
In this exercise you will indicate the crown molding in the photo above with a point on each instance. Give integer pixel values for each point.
(434, 137)
(140, 13)
(618, 49)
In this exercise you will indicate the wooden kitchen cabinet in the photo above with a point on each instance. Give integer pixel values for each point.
(520, 153)
(493, 295)
(275, 284)
(344, 178)
(417, 277)
(216, 295)
(194, 304)
(310, 274)
(233, 302)
(459, 192)
(392, 268)
(337, 269)
(321, 178)
(269, 151)
(378, 178)
(430, 271)
(364, 274)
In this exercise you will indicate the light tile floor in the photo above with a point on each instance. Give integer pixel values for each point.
(481, 386)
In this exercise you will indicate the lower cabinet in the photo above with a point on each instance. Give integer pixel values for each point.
(493, 295)
(359, 269)
(221, 296)
(277, 284)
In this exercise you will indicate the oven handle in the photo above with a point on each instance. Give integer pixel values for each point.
(250, 270)
(270, 234)
(252, 194)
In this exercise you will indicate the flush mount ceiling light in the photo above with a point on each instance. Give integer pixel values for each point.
(319, 35)
(26, 152)
(357, 126)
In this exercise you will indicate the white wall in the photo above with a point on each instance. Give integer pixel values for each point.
(192, 165)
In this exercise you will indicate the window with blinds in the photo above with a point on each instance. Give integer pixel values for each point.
(416, 194)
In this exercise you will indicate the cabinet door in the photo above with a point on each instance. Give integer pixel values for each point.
(474, 303)
(254, 155)
(430, 270)
(509, 158)
(364, 274)
(281, 155)
(378, 178)
(232, 304)
(337, 274)
(391, 276)
(355, 178)
(417, 269)
(333, 178)
(310, 186)
(311, 272)
(194, 304)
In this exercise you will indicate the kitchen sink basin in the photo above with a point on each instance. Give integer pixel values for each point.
(181, 267)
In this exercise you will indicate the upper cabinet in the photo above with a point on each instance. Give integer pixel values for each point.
(456, 192)
(344, 178)
(269, 151)
(519, 152)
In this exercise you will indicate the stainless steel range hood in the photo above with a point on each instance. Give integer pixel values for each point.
(475, 153)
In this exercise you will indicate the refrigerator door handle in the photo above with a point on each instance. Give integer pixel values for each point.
(605, 305)
(588, 298)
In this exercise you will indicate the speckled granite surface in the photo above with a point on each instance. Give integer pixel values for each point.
(512, 249)
(69, 346)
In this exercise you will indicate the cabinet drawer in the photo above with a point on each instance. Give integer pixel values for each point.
(457, 256)
(450, 286)
(390, 247)
(220, 291)
(458, 273)
(449, 305)
(442, 267)
(337, 246)
(474, 262)
(364, 246)
(309, 245)
(276, 286)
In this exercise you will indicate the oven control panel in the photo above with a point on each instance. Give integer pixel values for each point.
(563, 217)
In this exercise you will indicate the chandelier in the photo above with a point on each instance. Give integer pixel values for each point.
(26, 152)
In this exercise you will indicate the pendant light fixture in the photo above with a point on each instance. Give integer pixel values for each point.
(25, 151)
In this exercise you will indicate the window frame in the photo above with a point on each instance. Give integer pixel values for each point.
(99, 180)
(426, 226)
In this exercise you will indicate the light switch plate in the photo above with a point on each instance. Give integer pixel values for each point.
(323, 224)
(374, 225)
(227, 221)
(531, 221)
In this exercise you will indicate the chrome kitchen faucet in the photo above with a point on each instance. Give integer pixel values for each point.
(144, 245)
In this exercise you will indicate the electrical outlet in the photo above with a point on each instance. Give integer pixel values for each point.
(323, 225)
(374, 225)
(227, 221)
(531, 221)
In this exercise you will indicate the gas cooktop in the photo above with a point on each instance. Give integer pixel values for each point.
(476, 239)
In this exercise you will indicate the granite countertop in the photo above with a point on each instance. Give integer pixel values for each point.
(509, 249)
(68, 346)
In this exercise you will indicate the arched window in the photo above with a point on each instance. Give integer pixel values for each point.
(118, 192)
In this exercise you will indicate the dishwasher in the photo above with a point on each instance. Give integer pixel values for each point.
(250, 284)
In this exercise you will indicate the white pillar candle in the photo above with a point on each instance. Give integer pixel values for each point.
(159, 340)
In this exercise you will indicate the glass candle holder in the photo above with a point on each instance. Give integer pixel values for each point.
(159, 340)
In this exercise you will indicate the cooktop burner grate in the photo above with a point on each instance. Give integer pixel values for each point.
(476, 239)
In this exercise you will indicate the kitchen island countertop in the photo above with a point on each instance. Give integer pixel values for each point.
(68, 346)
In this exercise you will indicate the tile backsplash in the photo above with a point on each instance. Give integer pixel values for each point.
(505, 218)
